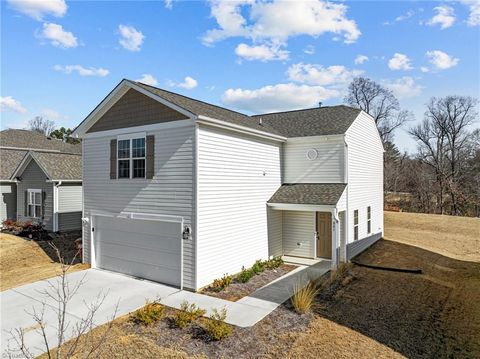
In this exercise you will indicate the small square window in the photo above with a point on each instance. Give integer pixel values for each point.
(355, 225)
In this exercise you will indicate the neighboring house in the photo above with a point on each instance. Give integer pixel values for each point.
(180, 191)
(41, 180)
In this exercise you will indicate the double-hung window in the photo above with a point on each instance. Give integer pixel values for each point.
(34, 203)
(131, 155)
(369, 219)
(355, 225)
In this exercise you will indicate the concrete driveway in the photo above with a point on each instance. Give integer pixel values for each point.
(18, 304)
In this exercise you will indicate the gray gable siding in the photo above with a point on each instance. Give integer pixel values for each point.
(34, 178)
(135, 109)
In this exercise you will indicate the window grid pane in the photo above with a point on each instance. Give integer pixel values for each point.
(139, 168)
(138, 147)
(38, 198)
(124, 149)
(124, 169)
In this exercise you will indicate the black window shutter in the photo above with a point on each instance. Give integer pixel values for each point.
(113, 159)
(44, 196)
(150, 156)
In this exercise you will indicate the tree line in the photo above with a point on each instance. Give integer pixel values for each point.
(443, 174)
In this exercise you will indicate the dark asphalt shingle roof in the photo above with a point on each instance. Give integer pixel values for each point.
(62, 161)
(34, 140)
(328, 120)
(308, 193)
(60, 166)
(9, 161)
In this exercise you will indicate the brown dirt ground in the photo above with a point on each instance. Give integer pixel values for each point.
(236, 290)
(366, 313)
(25, 261)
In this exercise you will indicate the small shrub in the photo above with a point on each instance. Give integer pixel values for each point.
(150, 313)
(215, 327)
(245, 275)
(187, 314)
(303, 298)
(258, 267)
(274, 263)
(222, 283)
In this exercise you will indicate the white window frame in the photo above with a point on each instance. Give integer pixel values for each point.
(130, 138)
(30, 192)
(369, 219)
(355, 225)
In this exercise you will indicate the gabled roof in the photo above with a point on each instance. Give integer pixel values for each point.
(60, 166)
(320, 121)
(31, 140)
(308, 193)
(9, 162)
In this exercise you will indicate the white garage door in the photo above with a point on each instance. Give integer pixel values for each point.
(142, 248)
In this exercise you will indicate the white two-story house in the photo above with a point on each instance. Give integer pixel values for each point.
(181, 192)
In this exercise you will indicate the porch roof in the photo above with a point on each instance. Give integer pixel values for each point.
(308, 193)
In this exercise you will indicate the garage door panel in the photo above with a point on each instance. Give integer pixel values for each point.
(141, 248)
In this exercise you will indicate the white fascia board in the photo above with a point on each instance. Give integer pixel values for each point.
(28, 149)
(317, 139)
(301, 207)
(137, 129)
(238, 128)
(66, 181)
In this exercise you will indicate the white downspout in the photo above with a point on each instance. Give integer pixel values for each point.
(55, 205)
(347, 214)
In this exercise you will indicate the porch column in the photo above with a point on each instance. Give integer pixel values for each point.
(335, 237)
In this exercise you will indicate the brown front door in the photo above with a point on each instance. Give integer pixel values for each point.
(324, 235)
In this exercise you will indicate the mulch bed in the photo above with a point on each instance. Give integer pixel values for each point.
(267, 339)
(236, 290)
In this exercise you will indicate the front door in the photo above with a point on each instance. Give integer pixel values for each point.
(324, 235)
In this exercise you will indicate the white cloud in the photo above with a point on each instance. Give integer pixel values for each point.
(424, 69)
(168, 4)
(441, 60)
(309, 50)
(474, 16)
(314, 74)
(58, 36)
(399, 62)
(188, 83)
(279, 20)
(404, 87)
(82, 71)
(130, 38)
(278, 97)
(37, 9)
(261, 52)
(445, 17)
(148, 79)
(399, 18)
(360, 59)
(8, 103)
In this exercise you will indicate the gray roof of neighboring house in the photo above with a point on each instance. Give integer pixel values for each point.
(9, 161)
(308, 193)
(61, 161)
(328, 120)
(60, 166)
(36, 141)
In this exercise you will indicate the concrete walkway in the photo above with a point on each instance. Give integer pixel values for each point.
(130, 294)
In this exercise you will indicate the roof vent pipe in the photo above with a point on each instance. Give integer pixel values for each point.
(260, 121)
(320, 104)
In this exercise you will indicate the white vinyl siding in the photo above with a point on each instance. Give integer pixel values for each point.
(275, 235)
(237, 174)
(170, 192)
(299, 233)
(69, 198)
(34, 177)
(327, 167)
(365, 176)
(8, 201)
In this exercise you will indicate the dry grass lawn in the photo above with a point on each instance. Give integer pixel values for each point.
(25, 261)
(367, 314)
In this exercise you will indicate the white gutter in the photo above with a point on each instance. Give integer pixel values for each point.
(66, 181)
(230, 126)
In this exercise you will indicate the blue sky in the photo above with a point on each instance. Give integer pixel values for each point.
(60, 59)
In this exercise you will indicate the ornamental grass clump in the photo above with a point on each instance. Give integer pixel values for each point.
(215, 326)
(150, 313)
(303, 298)
(221, 283)
(187, 314)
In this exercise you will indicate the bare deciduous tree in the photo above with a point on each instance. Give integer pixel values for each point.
(83, 342)
(41, 125)
(378, 102)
